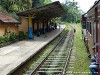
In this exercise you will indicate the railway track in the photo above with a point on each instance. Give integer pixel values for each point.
(56, 62)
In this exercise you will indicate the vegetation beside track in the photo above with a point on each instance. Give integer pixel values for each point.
(81, 64)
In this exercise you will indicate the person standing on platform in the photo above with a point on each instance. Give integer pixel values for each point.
(59, 27)
(74, 29)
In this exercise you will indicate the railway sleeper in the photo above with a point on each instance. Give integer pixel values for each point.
(58, 56)
(60, 52)
(50, 65)
(56, 60)
(47, 66)
(52, 68)
(50, 72)
(54, 63)
(50, 62)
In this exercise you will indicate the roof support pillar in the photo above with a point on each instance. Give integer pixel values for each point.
(30, 28)
(43, 29)
(47, 27)
(38, 28)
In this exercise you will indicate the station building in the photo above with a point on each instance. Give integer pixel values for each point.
(39, 18)
(7, 23)
(36, 20)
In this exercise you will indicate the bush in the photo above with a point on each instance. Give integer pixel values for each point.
(5, 38)
(8, 38)
(12, 36)
(1, 40)
(26, 36)
(21, 35)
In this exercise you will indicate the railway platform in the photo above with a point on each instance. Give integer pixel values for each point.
(12, 56)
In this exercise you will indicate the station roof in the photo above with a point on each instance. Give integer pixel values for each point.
(51, 10)
(5, 18)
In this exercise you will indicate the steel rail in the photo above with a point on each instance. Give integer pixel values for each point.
(33, 72)
(68, 57)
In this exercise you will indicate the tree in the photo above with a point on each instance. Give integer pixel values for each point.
(14, 6)
(72, 12)
(6, 4)
(47, 1)
(36, 3)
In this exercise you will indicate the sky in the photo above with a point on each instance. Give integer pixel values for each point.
(83, 4)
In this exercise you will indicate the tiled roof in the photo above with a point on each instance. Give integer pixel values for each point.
(5, 18)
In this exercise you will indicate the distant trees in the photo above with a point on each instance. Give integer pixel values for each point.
(6, 4)
(20, 5)
(47, 1)
(73, 14)
(13, 6)
(36, 3)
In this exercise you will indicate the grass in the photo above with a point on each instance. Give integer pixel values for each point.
(81, 57)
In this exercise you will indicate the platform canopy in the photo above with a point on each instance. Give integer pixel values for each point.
(51, 10)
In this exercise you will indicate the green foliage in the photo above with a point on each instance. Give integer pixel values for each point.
(47, 1)
(1, 40)
(21, 35)
(73, 14)
(5, 38)
(12, 36)
(26, 36)
(14, 6)
(37, 3)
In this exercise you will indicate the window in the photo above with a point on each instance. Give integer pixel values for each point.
(87, 27)
(90, 29)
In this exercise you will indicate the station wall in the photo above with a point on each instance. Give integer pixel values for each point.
(8, 28)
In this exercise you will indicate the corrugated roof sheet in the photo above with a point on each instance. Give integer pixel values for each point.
(5, 18)
(51, 10)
